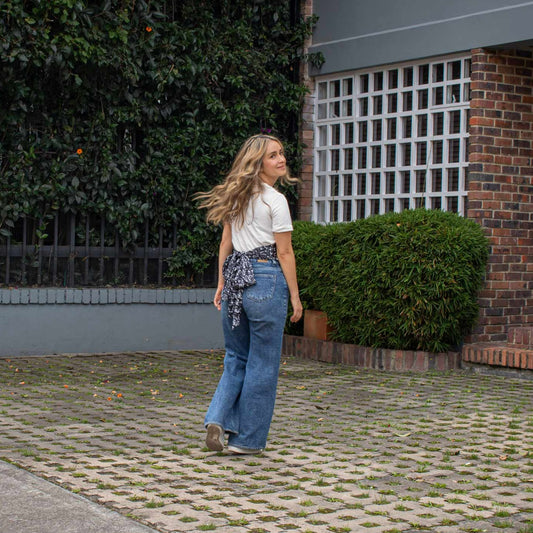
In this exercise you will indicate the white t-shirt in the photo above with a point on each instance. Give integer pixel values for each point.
(267, 213)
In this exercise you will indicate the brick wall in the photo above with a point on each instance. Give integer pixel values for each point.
(500, 190)
(305, 189)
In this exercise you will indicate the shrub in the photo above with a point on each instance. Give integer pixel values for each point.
(403, 280)
(305, 239)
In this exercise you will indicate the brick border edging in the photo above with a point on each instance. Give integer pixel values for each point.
(377, 358)
(498, 355)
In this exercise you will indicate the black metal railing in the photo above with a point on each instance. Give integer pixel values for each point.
(71, 251)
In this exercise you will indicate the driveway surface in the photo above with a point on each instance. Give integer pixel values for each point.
(350, 450)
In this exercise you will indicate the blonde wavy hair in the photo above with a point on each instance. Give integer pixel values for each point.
(228, 201)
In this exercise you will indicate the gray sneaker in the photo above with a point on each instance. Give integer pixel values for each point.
(244, 451)
(214, 439)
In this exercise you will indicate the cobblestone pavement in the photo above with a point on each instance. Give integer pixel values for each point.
(349, 449)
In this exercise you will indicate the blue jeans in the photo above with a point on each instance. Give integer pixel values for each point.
(243, 402)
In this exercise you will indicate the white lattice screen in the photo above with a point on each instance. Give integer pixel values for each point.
(392, 139)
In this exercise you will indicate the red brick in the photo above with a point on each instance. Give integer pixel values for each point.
(493, 169)
(512, 80)
(503, 160)
(481, 121)
(502, 141)
(509, 106)
(482, 157)
(503, 124)
(518, 125)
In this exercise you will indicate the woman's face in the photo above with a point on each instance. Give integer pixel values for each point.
(273, 164)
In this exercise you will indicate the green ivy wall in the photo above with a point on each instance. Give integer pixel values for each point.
(125, 109)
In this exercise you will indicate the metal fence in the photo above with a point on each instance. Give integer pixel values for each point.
(74, 251)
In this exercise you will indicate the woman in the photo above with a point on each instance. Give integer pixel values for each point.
(257, 274)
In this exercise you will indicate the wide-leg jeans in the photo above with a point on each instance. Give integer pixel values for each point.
(243, 403)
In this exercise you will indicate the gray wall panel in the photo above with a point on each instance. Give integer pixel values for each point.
(361, 34)
(339, 19)
(49, 328)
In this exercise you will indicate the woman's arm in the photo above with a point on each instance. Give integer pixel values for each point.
(224, 250)
(288, 265)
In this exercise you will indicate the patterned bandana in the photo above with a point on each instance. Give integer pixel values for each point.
(238, 274)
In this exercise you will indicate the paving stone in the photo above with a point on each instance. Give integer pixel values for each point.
(349, 449)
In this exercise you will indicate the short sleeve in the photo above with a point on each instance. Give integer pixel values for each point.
(281, 215)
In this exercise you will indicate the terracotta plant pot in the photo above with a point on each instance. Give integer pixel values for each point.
(316, 325)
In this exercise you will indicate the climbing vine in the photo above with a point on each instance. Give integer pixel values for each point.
(125, 108)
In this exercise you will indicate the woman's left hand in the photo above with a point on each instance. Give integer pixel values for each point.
(297, 309)
(217, 300)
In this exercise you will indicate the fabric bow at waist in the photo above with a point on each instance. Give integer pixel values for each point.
(239, 274)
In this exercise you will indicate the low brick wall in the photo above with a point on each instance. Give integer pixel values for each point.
(498, 355)
(378, 358)
(521, 337)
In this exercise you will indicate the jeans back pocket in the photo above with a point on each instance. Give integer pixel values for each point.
(263, 288)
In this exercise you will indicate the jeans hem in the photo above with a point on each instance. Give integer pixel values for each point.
(246, 445)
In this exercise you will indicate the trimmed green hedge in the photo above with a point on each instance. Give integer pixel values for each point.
(403, 280)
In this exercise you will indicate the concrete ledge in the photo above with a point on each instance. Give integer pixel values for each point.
(57, 321)
(120, 295)
(378, 358)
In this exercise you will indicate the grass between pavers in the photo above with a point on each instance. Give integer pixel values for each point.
(349, 449)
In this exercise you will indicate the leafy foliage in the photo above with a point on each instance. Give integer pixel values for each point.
(125, 109)
(403, 280)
